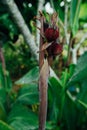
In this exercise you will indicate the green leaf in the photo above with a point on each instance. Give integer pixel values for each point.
(64, 78)
(54, 98)
(83, 14)
(80, 72)
(5, 126)
(21, 118)
(8, 24)
(2, 112)
(28, 94)
(5, 81)
(31, 76)
(82, 103)
(56, 6)
(71, 69)
(74, 15)
(70, 114)
(8, 81)
(82, 95)
(50, 126)
(56, 86)
(2, 84)
(2, 95)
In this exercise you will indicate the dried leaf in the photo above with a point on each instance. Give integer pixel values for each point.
(44, 73)
(54, 18)
(43, 86)
(44, 46)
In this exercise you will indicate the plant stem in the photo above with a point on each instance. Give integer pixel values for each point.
(66, 23)
(41, 54)
(43, 84)
(69, 51)
(40, 7)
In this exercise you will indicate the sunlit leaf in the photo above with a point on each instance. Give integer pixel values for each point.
(83, 14)
(31, 76)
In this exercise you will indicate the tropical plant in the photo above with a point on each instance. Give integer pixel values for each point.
(67, 92)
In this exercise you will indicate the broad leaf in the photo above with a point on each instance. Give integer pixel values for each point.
(31, 76)
(28, 94)
(55, 86)
(70, 114)
(54, 98)
(82, 95)
(21, 118)
(80, 72)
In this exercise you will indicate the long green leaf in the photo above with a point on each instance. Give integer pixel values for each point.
(82, 103)
(4, 126)
(2, 84)
(28, 94)
(74, 15)
(55, 96)
(82, 95)
(70, 114)
(31, 76)
(2, 112)
(80, 72)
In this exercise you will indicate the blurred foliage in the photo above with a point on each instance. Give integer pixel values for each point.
(67, 101)
(18, 58)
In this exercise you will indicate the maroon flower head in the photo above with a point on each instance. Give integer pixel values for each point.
(54, 49)
(51, 34)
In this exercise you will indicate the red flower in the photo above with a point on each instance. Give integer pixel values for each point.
(54, 49)
(51, 34)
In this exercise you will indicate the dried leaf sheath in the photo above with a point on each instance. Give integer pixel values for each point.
(41, 54)
(43, 83)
